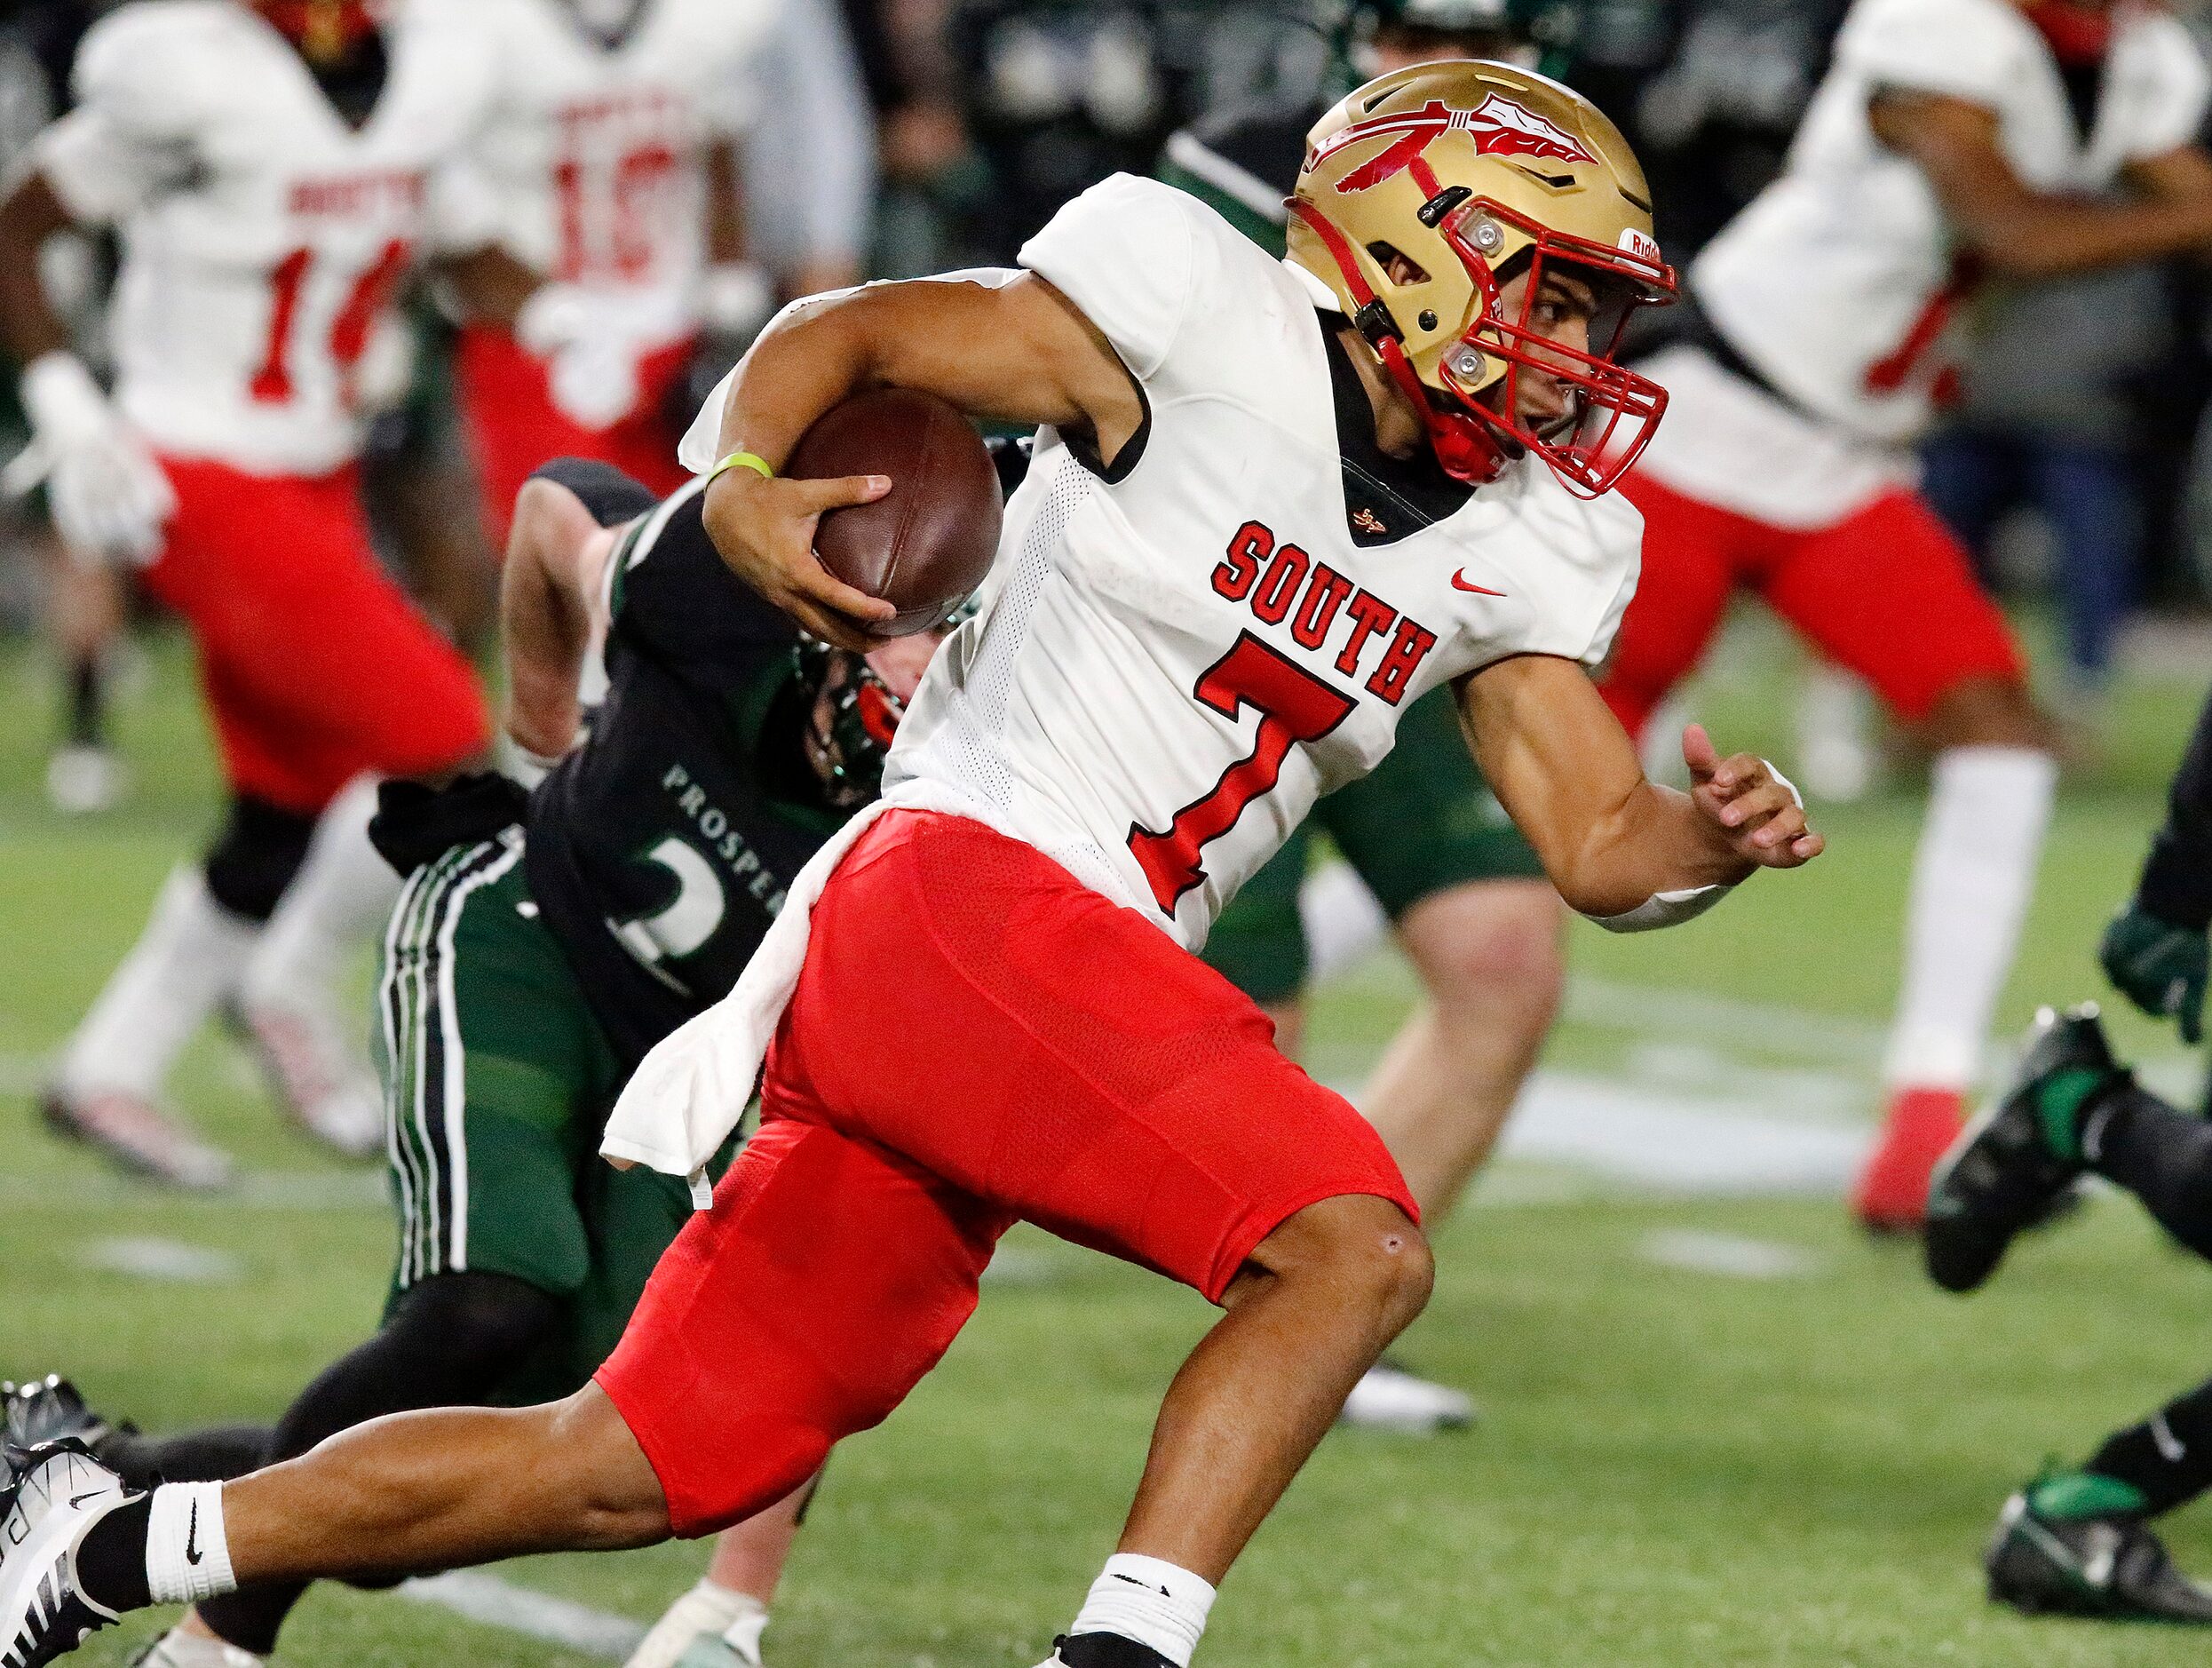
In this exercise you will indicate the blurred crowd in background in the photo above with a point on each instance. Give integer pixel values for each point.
(907, 136)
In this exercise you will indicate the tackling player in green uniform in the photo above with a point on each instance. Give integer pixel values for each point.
(1461, 886)
(2078, 1540)
(543, 944)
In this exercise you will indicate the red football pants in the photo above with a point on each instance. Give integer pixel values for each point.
(314, 664)
(514, 426)
(975, 1038)
(1887, 593)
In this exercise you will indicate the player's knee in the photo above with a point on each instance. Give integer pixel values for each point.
(480, 1327)
(1359, 1252)
(1491, 951)
(256, 856)
(612, 1496)
(1987, 712)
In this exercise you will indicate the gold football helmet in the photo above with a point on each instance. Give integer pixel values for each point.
(1423, 195)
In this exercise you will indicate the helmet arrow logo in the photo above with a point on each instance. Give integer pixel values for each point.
(1498, 126)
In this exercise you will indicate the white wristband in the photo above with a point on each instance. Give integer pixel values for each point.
(1672, 908)
(1666, 908)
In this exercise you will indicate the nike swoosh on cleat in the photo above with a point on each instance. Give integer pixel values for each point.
(1460, 582)
(78, 1500)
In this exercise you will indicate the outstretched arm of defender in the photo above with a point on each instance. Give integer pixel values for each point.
(553, 602)
(2021, 233)
(1618, 847)
(1016, 352)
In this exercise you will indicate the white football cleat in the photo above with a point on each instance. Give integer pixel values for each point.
(316, 1077)
(60, 1493)
(1389, 1398)
(179, 1648)
(709, 1628)
(137, 1135)
(84, 779)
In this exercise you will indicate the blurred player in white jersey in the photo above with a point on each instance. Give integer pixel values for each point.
(609, 162)
(274, 172)
(1954, 140)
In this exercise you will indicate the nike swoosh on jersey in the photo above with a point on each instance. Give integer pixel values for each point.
(1460, 582)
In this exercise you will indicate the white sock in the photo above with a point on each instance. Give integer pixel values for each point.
(187, 1555)
(189, 958)
(343, 893)
(1971, 882)
(748, 1620)
(1343, 920)
(1149, 1601)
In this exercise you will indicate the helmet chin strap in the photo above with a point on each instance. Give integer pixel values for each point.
(1464, 446)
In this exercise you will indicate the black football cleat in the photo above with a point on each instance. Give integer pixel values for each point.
(2110, 1566)
(50, 1409)
(2014, 1165)
(59, 1493)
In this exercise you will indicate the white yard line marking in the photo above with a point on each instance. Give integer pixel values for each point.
(1732, 1256)
(1695, 1015)
(497, 1603)
(1680, 1143)
(165, 1260)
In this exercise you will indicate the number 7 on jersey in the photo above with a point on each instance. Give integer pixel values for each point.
(1293, 706)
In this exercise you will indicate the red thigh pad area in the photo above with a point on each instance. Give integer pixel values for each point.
(315, 663)
(975, 1038)
(968, 1004)
(1890, 593)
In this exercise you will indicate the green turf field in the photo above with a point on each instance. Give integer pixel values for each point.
(1677, 1465)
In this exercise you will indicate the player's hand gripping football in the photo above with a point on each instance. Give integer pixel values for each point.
(765, 531)
(1753, 804)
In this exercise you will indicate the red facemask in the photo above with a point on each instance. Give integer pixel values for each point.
(1612, 411)
(2081, 35)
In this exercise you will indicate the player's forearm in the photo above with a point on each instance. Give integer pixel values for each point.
(2050, 237)
(491, 284)
(1014, 354)
(726, 206)
(1654, 844)
(546, 633)
(29, 327)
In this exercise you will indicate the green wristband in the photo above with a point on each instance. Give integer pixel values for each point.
(742, 460)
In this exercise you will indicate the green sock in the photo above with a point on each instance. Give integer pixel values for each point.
(2059, 1102)
(2069, 1496)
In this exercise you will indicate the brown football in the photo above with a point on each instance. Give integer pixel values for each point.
(928, 542)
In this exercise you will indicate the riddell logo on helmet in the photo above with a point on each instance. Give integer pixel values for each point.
(1498, 126)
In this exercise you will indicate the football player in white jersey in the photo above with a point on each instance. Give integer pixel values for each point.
(1954, 140)
(982, 1001)
(609, 161)
(274, 171)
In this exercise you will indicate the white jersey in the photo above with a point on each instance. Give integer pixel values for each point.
(1838, 283)
(595, 160)
(1182, 653)
(263, 236)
